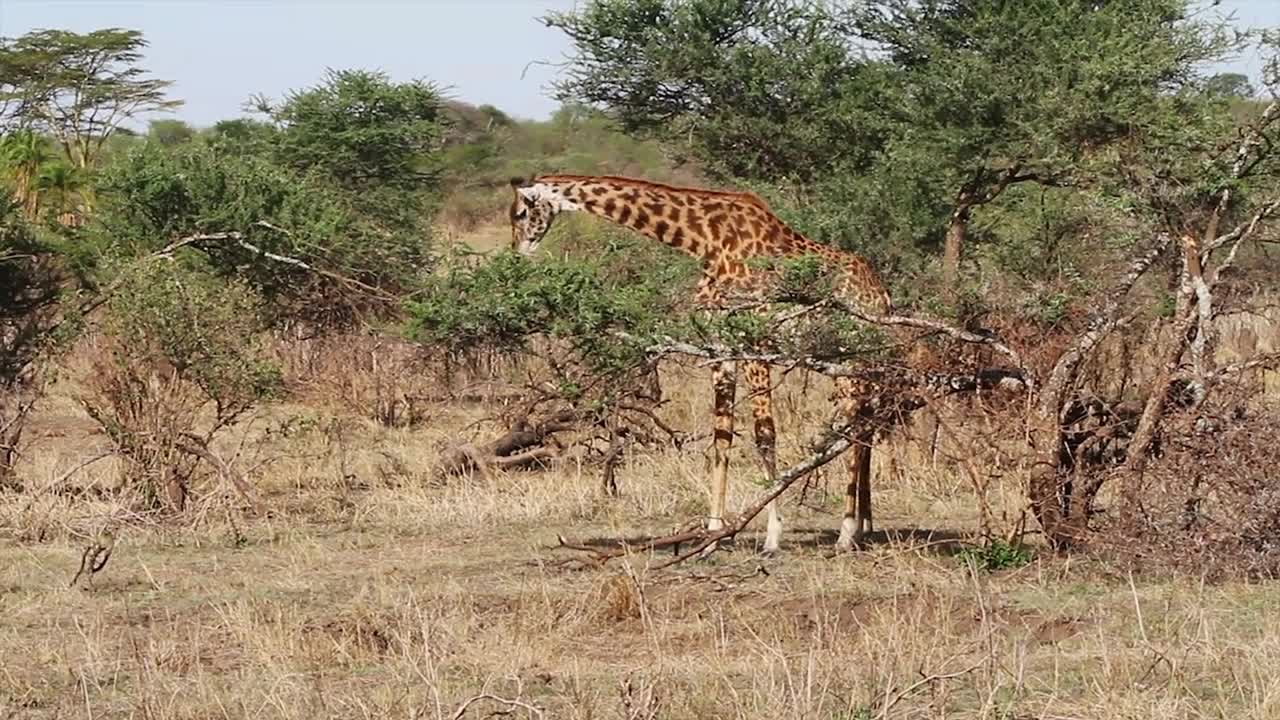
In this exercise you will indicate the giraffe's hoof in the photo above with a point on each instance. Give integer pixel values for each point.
(770, 552)
(844, 545)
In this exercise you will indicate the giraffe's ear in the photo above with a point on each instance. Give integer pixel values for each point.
(526, 193)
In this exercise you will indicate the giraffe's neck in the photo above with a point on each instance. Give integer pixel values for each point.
(689, 220)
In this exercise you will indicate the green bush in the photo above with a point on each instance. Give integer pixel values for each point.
(996, 555)
(181, 363)
(509, 301)
(155, 196)
(207, 330)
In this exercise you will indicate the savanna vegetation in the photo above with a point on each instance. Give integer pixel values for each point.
(287, 429)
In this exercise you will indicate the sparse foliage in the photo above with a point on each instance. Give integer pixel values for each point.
(157, 196)
(181, 365)
(79, 88)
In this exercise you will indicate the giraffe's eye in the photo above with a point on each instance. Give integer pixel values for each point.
(521, 213)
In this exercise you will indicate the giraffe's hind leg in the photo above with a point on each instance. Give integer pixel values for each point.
(725, 384)
(864, 487)
(856, 521)
(759, 383)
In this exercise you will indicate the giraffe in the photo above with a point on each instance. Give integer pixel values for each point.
(723, 230)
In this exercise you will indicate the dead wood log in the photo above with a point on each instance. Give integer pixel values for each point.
(520, 447)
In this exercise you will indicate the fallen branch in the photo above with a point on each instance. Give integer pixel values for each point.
(462, 709)
(521, 446)
(834, 445)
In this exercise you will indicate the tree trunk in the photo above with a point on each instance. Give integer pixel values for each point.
(10, 435)
(953, 249)
(176, 491)
(1046, 490)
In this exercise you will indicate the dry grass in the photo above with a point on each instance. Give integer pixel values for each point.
(369, 590)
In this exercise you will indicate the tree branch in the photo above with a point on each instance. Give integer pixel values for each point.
(834, 444)
(938, 327)
(196, 445)
(1013, 378)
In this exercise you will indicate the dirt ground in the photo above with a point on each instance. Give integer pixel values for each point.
(369, 588)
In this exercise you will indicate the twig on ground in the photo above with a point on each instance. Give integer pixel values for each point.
(93, 559)
(462, 709)
(835, 444)
(889, 703)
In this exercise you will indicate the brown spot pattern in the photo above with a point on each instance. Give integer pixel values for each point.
(724, 229)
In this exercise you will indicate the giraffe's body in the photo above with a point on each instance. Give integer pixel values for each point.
(723, 230)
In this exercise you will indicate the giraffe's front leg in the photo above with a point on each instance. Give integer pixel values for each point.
(760, 384)
(725, 384)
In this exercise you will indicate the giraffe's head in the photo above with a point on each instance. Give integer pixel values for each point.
(533, 208)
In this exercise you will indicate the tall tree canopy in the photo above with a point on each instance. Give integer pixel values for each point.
(79, 88)
(371, 137)
(754, 89)
(907, 114)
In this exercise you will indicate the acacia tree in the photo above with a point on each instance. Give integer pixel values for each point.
(759, 89)
(79, 88)
(170, 132)
(374, 139)
(323, 207)
(995, 94)
(898, 117)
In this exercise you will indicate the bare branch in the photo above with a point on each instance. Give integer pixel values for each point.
(835, 443)
(1103, 322)
(938, 327)
(926, 680)
(462, 709)
(937, 382)
(1269, 361)
(196, 445)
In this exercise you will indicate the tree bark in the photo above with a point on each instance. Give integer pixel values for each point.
(953, 248)
(1046, 491)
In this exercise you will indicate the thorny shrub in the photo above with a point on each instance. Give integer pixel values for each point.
(1209, 502)
(375, 376)
(180, 365)
(607, 322)
(509, 302)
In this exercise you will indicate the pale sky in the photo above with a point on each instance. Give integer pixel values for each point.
(219, 52)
